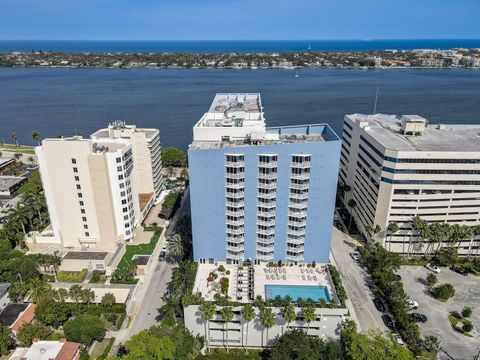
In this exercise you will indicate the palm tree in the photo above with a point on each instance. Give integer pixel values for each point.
(18, 214)
(289, 313)
(75, 293)
(476, 234)
(267, 318)
(36, 136)
(13, 136)
(61, 294)
(39, 288)
(170, 307)
(392, 228)
(352, 204)
(183, 277)
(88, 296)
(309, 315)
(343, 189)
(176, 246)
(248, 314)
(373, 230)
(227, 315)
(207, 311)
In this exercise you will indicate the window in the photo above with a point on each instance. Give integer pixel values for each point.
(122, 185)
(119, 160)
(124, 202)
(120, 177)
(125, 217)
(125, 209)
(74, 161)
(79, 195)
(84, 218)
(77, 178)
(82, 211)
(119, 168)
(75, 170)
(87, 234)
(122, 193)
(79, 187)
(127, 225)
(85, 227)
(81, 203)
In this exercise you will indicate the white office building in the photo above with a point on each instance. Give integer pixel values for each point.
(400, 167)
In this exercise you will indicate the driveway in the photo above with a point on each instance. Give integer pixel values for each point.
(353, 277)
(467, 293)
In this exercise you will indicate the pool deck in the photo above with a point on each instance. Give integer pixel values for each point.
(284, 275)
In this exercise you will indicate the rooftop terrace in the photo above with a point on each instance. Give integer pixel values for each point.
(388, 131)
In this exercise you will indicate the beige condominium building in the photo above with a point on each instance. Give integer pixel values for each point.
(91, 191)
(400, 167)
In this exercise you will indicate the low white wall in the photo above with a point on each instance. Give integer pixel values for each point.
(327, 325)
(121, 294)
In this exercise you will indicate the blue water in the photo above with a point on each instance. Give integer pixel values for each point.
(315, 293)
(63, 101)
(231, 45)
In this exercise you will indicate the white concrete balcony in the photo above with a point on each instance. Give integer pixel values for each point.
(270, 186)
(235, 164)
(239, 231)
(298, 214)
(235, 222)
(298, 257)
(269, 165)
(266, 223)
(233, 256)
(302, 165)
(296, 241)
(302, 196)
(270, 195)
(236, 239)
(268, 241)
(240, 203)
(303, 186)
(269, 231)
(267, 205)
(237, 213)
(297, 223)
(265, 248)
(266, 213)
(236, 185)
(264, 257)
(236, 195)
(299, 205)
(270, 176)
(235, 175)
(303, 176)
(297, 250)
(298, 232)
(235, 249)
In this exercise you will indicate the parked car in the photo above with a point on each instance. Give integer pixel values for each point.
(433, 268)
(121, 351)
(355, 255)
(379, 304)
(162, 255)
(398, 277)
(388, 321)
(417, 317)
(412, 304)
(398, 338)
(459, 270)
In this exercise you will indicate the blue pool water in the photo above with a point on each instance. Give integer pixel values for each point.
(315, 293)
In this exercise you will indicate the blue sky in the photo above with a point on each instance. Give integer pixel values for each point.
(238, 19)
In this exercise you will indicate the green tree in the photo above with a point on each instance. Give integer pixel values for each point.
(392, 229)
(183, 277)
(13, 136)
(76, 293)
(176, 246)
(207, 311)
(30, 331)
(267, 319)
(352, 204)
(18, 214)
(36, 136)
(146, 346)
(309, 315)
(172, 156)
(84, 329)
(226, 313)
(108, 300)
(39, 289)
(447, 256)
(289, 313)
(431, 279)
(248, 314)
(171, 306)
(52, 313)
(6, 340)
(88, 296)
(443, 292)
(466, 312)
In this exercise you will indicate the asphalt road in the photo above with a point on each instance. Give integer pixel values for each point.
(353, 277)
(467, 293)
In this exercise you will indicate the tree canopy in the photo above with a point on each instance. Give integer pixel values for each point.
(172, 156)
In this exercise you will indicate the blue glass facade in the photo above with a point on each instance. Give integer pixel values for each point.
(208, 194)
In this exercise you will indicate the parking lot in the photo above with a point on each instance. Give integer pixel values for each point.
(467, 293)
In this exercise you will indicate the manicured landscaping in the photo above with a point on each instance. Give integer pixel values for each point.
(443, 292)
(72, 276)
(337, 282)
(142, 249)
(467, 326)
(24, 149)
(98, 277)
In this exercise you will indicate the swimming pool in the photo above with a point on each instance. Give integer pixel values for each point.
(305, 292)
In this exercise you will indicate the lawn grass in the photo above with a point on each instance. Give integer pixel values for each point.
(24, 149)
(142, 249)
(454, 319)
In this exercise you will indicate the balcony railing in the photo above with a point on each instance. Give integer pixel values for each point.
(266, 223)
(299, 205)
(270, 176)
(235, 164)
(235, 222)
(233, 256)
(235, 212)
(235, 203)
(235, 175)
(270, 240)
(236, 231)
(264, 257)
(267, 205)
(270, 164)
(299, 232)
(296, 250)
(236, 239)
(302, 196)
(303, 176)
(297, 214)
(271, 195)
(236, 195)
(298, 257)
(296, 241)
(270, 231)
(270, 186)
(303, 186)
(297, 223)
(235, 249)
(237, 185)
(302, 165)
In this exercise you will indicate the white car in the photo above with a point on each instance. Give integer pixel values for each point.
(412, 304)
(398, 338)
(355, 255)
(433, 268)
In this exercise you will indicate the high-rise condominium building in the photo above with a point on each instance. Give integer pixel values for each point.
(91, 191)
(400, 167)
(258, 193)
(146, 153)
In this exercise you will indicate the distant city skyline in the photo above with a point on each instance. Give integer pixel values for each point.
(231, 20)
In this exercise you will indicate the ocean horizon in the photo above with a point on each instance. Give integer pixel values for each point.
(238, 46)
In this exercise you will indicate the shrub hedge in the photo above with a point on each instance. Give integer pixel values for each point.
(72, 276)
